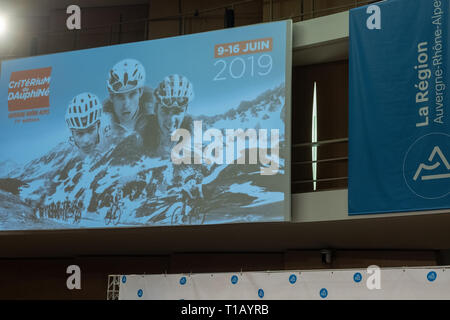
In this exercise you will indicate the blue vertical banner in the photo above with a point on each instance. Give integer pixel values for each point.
(399, 137)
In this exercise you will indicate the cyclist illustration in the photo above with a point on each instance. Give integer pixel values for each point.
(183, 182)
(40, 210)
(78, 208)
(115, 210)
(192, 209)
(173, 96)
(58, 210)
(130, 102)
(66, 208)
(180, 207)
(180, 200)
(37, 212)
(83, 119)
(52, 210)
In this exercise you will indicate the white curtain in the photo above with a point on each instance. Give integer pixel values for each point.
(398, 283)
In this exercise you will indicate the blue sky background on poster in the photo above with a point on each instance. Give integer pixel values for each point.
(86, 70)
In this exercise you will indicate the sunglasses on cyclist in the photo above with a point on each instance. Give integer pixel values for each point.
(172, 110)
(180, 101)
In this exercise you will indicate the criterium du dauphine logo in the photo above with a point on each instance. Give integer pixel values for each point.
(426, 167)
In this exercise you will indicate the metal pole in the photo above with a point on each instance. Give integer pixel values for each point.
(182, 24)
(271, 10)
(180, 20)
(302, 8)
(110, 34)
(120, 28)
(321, 161)
(75, 39)
(319, 143)
(47, 42)
(313, 7)
(146, 30)
(320, 180)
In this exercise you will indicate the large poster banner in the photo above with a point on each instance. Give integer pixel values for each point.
(186, 130)
(399, 134)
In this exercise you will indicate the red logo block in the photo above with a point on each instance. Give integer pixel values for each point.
(29, 89)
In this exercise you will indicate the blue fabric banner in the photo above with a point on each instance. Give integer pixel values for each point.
(399, 139)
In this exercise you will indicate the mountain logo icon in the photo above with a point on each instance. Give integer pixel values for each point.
(437, 152)
(427, 174)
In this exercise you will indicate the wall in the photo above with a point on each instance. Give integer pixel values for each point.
(177, 17)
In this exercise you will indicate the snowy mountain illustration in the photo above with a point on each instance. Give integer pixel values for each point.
(437, 152)
(267, 110)
(151, 188)
(7, 168)
(16, 214)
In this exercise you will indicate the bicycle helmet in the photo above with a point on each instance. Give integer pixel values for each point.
(126, 75)
(175, 88)
(83, 111)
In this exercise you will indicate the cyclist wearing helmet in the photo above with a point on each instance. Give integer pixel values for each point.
(130, 103)
(83, 119)
(173, 96)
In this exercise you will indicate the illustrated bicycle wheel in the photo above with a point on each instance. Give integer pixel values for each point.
(197, 218)
(77, 218)
(177, 216)
(108, 218)
(116, 217)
